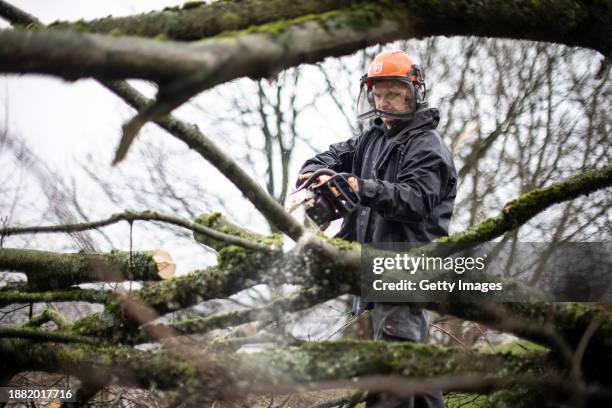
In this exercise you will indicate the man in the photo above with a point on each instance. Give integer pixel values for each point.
(406, 180)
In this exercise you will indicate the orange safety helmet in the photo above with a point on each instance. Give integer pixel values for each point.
(394, 65)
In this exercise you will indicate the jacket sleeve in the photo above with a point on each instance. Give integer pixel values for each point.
(339, 157)
(425, 176)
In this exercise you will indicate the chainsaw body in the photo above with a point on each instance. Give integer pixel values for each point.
(327, 201)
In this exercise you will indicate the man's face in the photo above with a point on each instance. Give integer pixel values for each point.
(393, 97)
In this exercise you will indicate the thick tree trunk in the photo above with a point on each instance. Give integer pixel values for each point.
(580, 23)
(262, 51)
(198, 20)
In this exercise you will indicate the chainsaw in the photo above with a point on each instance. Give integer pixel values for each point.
(324, 202)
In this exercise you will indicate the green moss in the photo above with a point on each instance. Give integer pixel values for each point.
(516, 397)
(34, 26)
(210, 219)
(230, 20)
(348, 358)
(192, 4)
(275, 239)
(231, 256)
(116, 32)
(367, 15)
(517, 347)
(457, 400)
(217, 222)
(80, 26)
(280, 26)
(340, 243)
(138, 266)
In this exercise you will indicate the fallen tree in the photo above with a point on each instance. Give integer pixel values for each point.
(98, 347)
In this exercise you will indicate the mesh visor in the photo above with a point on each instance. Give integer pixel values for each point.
(392, 99)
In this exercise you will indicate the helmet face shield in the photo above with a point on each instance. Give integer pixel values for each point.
(390, 98)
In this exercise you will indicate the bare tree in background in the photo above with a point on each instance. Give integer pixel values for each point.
(98, 349)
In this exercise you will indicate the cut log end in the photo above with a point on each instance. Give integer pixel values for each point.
(166, 267)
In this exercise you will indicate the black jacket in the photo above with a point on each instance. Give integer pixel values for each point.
(407, 188)
(407, 185)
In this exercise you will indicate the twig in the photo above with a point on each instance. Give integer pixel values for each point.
(576, 372)
(349, 323)
(191, 135)
(435, 326)
(130, 216)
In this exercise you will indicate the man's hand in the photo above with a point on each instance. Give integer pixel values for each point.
(320, 180)
(354, 183)
(352, 180)
(302, 178)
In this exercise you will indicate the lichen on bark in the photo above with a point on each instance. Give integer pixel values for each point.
(50, 270)
(197, 20)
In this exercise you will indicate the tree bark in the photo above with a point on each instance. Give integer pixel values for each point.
(198, 20)
(246, 373)
(50, 270)
(262, 51)
(575, 23)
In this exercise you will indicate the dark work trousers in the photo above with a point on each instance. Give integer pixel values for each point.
(387, 400)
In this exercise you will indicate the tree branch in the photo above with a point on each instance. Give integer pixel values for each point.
(217, 222)
(520, 210)
(195, 21)
(50, 270)
(44, 335)
(196, 140)
(233, 375)
(8, 297)
(16, 15)
(241, 268)
(305, 39)
(304, 299)
(50, 314)
(130, 216)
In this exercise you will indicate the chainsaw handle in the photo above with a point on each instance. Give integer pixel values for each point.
(349, 196)
(314, 176)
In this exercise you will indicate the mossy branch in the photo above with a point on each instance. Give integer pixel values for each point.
(15, 15)
(125, 365)
(50, 270)
(199, 20)
(263, 50)
(8, 297)
(217, 222)
(304, 299)
(575, 23)
(520, 210)
(50, 314)
(239, 269)
(196, 140)
(258, 372)
(567, 321)
(44, 335)
(198, 228)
